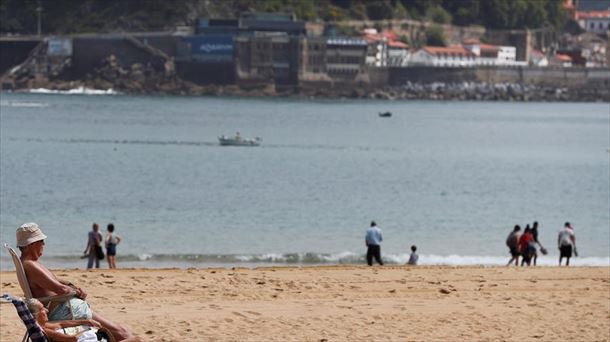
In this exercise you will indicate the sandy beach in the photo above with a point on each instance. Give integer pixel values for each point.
(345, 303)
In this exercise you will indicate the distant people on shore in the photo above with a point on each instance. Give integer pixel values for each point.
(94, 249)
(512, 242)
(111, 240)
(566, 242)
(542, 249)
(413, 258)
(527, 247)
(373, 240)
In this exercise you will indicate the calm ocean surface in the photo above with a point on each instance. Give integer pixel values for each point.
(451, 177)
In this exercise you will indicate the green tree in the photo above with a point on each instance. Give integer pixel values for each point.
(438, 15)
(379, 9)
(435, 36)
(465, 12)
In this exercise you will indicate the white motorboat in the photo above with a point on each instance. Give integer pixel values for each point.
(237, 140)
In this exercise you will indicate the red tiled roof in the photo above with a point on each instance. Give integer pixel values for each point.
(397, 44)
(472, 41)
(592, 14)
(563, 58)
(482, 46)
(448, 50)
(489, 47)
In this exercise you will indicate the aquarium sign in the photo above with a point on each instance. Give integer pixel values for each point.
(211, 48)
(60, 47)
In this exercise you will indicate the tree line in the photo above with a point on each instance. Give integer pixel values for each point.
(78, 16)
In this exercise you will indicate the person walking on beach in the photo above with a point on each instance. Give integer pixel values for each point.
(526, 246)
(512, 242)
(373, 240)
(536, 242)
(111, 241)
(566, 241)
(93, 242)
(413, 257)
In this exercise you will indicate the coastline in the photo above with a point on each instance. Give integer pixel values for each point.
(437, 91)
(329, 303)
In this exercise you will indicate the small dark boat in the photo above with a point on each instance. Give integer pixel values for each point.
(385, 114)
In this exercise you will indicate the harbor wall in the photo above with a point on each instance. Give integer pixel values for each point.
(13, 52)
(563, 77)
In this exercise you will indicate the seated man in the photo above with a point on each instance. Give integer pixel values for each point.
(43, 283)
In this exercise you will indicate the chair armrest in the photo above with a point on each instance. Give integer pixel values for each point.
(58, 298)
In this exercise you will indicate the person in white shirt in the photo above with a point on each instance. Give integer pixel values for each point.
(373, 240)
(566, 242)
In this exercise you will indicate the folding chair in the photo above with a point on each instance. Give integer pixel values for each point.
(35, 332)
(25, 285)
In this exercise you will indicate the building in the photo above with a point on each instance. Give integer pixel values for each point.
(594, 21)
(398, 54)
(538, 58)
(441, 56)
(492, 55)
(312, 59)
(345, 57)
(561, 60)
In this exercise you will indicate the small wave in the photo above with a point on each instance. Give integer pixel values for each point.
(23, 104)
(202, 260)
(75, 91)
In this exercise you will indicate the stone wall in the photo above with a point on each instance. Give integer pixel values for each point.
(559, 77)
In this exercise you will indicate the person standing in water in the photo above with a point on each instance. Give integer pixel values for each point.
(512, 242)
(112, 240)
(373, 240)
(413, 258)
(566, 241)
(94, 239)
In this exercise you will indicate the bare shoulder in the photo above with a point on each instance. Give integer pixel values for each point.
(31, 266)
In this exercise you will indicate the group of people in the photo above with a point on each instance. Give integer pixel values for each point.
(525, 245)
(372, 240)
(43, 283)
(94, 251)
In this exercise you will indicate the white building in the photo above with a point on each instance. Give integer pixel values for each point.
(398, 54)
(493, 55)
(440, 56)
(537, 58)
(594, 21)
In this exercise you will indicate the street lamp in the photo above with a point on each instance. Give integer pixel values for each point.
(39, 10)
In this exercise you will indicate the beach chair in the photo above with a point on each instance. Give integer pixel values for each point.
(25, 285)
(34, 332)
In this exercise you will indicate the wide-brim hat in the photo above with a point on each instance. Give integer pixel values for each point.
(28, 233)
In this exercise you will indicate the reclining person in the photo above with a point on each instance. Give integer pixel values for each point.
(57, 331)
(43, 283)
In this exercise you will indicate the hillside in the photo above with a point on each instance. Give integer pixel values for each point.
(96, 16)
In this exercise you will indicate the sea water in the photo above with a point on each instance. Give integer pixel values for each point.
(452, 178)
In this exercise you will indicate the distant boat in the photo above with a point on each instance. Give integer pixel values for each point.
(237, 140)
(385, 114)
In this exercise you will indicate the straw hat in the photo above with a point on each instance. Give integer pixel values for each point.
(29, 233)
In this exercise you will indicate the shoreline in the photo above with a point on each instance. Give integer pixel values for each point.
(437, 91)
(345, 303)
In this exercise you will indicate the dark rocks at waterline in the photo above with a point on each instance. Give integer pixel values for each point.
(144, 80)
(491, 92)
